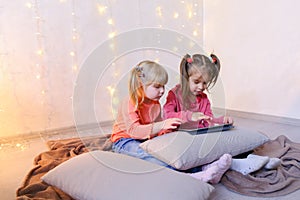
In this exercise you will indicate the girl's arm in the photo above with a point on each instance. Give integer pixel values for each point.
(170, 109)
(136, 130)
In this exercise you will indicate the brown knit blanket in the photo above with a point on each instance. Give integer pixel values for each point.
(264, 183)
(60, 150)
(270, 183)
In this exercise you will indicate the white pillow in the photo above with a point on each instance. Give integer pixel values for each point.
(111, 176)
(184, 151)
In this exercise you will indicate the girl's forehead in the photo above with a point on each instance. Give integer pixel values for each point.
(200, 74)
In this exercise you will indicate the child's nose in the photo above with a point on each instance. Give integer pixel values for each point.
(201, 86)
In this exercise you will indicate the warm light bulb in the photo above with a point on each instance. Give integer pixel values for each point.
(110, 21)
(195, 33)
(159, 11)
(28, 5)
(74, 37)
(111, 90)
(176, 15)
(75, 68)
(112, 34)
(40, 52)
(72, 53)
(190, 14)
(101, 9)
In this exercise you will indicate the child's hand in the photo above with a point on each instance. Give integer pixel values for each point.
(227, 120)
(171, 123)
(197, 116)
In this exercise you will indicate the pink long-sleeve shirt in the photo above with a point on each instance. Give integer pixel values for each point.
(174, 108)
(136, 123)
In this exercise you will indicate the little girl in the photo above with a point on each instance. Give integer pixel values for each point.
(188, 102)
(139, 119)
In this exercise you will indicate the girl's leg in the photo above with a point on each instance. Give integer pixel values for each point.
(273, 163)
(250, 164)
(213, 172)
(131, 147)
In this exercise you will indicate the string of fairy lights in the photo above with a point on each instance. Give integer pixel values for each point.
(185, 17)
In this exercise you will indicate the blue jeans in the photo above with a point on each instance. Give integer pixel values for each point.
(131, 147)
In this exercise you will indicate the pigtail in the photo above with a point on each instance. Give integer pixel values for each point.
(215, 68)
(185, 65)
(135, 88)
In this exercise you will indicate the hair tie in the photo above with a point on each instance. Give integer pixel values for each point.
(189, 60)
(140, 71)
(214, 60)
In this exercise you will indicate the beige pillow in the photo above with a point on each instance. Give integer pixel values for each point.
(184, 151)
(111, 176)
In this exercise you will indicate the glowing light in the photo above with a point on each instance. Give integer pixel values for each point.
(43, 92)
(195, 33)
(112, 34)
(40, 52)
(110, 21)
(159, 11)
(111, 90)
(38, 76)
(75, 68)
(72, 53)
(176, 15)
(190, 14)
(28, 5)
(74, 37)
(101, 9)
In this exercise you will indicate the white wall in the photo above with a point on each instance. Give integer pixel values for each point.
(36, 91)
(258, 43)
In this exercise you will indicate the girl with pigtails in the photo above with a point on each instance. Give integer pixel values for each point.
(187, 100)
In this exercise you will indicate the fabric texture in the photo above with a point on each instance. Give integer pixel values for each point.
(110, 176)
(136, 123)
(184, 151)
(131, 147)
(59, 151)
(270, 183)
(174, 108)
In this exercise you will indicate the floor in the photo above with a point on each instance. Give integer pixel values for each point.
(16, 159)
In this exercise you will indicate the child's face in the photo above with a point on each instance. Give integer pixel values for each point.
(154, 91)
(198, 82)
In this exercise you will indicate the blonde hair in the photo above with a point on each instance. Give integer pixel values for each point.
(144, 74)
(197, 62)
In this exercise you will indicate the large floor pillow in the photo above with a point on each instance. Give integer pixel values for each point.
(106, 175)
(184, 151)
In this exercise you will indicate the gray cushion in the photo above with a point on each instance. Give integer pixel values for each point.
(111, 176)
(184, 151)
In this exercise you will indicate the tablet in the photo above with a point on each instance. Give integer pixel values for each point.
(215, 128)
